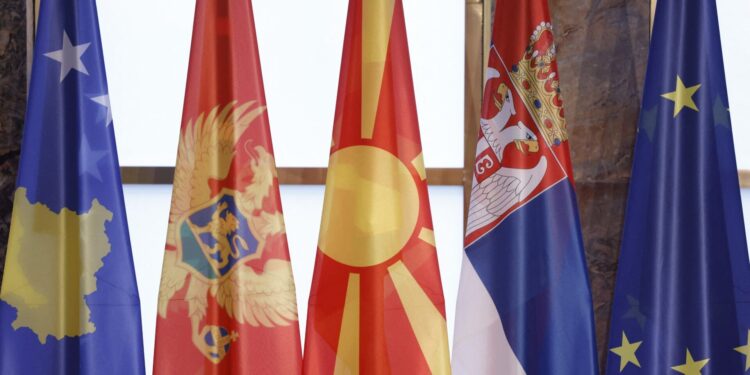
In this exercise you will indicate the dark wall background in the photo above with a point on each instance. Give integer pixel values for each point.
(602, 46)
(12, 105)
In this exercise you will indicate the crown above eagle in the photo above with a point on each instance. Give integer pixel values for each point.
(537, 79)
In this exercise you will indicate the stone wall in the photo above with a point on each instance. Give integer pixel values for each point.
(603, 48)
(12, 105)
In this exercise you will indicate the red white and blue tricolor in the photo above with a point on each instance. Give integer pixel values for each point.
(524, 304)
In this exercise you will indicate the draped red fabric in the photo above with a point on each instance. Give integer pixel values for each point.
(376, 303)
(227, 300)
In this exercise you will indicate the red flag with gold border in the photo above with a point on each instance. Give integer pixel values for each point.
(376, 304)
(227, 301)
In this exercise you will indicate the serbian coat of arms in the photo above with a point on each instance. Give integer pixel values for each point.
(522, 123)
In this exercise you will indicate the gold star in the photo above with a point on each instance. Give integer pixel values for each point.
(745, 349)
(627, 352)
(691, 367)
(682, 96)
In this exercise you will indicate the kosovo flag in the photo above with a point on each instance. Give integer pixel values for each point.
(69, 302)
(682, 299)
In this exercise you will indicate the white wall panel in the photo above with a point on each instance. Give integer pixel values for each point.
(734, 30)
(147, 207)
(146, 50)
(146, 46)
(746, 211)
(733, 15)
(148, 212)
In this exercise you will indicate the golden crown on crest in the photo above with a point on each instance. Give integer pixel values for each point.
(536, 76)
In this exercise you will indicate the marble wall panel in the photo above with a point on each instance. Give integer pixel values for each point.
(603, 48)
(12, 105)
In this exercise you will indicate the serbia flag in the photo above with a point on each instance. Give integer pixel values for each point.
(524, 304)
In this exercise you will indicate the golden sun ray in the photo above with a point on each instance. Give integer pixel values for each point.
(377, 16)
(347, 353)
(418, 163)
(427, 235)
(424, 318)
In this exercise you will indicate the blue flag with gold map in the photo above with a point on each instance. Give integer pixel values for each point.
(69, 302)
(682, 298)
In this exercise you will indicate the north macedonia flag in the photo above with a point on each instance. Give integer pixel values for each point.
(376, 304)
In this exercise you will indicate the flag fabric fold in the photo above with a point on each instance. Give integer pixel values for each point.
(524, 303)
(376, 302)
(682, 296)
(227, 302)
(69, 300)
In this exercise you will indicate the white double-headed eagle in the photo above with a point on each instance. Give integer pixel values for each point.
(207, 149)
(495, 195)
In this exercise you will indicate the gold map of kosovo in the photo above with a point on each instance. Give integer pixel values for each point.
(50, 267)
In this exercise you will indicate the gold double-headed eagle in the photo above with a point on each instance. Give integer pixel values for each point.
(207, 149)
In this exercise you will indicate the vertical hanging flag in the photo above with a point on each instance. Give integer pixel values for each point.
(376, 304)
(682, 297)
(227, 301)
(69, 301)
(524, 304)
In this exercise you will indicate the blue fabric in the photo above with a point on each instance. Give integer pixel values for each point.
(534, 269)
(68, 160)
(683, 280)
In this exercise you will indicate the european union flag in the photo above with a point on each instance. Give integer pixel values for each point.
(682, 299)
(69, 302)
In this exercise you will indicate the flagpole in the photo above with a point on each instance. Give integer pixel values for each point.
(653, 13)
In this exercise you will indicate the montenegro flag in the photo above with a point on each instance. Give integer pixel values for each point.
(227, 300)
(376, 304)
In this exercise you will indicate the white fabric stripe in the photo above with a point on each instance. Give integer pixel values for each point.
(479, 343)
